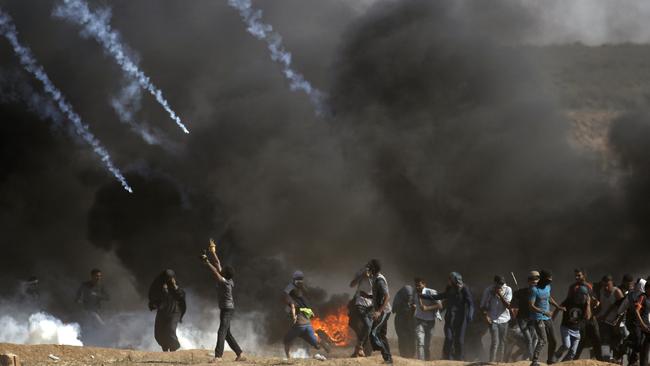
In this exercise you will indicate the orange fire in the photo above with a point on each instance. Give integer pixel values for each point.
(335, 326)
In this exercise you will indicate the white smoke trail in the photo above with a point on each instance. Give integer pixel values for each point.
(8, 29)
(39, 328)
(96, 24)
(14, 88)
(264, 32)
(126, 103)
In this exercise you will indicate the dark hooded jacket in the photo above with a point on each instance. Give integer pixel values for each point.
(168, 301)
(459, 299)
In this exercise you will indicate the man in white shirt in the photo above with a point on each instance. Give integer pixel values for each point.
(361, 312)
(495, 305)
(426, 314)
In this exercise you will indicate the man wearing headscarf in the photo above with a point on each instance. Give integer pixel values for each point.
(460, 311)
(300, 314)
(168, 299)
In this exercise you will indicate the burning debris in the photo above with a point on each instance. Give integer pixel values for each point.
(333, 328)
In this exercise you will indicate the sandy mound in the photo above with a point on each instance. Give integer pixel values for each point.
(31, 355)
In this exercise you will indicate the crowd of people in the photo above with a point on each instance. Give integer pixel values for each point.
(613, 321)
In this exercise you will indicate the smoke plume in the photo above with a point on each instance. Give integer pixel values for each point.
(39, 328)
(447, 148)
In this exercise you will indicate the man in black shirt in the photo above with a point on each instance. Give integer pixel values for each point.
(459, 313)
(574, 319)
(90, 295)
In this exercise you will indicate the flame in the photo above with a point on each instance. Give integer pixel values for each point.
(335, 326)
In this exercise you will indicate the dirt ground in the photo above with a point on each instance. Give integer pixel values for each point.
(31, 355)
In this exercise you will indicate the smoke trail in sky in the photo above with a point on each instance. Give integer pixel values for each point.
(126, 103)
(264, 32)
(96, 24)
(8, 29)
(14, 88)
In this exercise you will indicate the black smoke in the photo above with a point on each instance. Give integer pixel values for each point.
(445, 151)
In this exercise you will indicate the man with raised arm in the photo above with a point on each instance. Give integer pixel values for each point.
(225, 284)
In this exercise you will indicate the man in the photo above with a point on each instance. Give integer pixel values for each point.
(404, 321)
(608, 297)
(361, 312)
(626, 286)
(591, 332)
(495, 305)
(300, 313)
(168, 299)
(539, 303)
(426, 314)
(460, 311)
(381, 311)
(225, 285)
(297, 283)
(633, 341)
(642, 312)
(573, 320)
(90, 295)
(521, 309)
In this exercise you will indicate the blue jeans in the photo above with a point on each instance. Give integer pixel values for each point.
(498, 332)
(305, 332)
(570, 342)
(423, 330)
